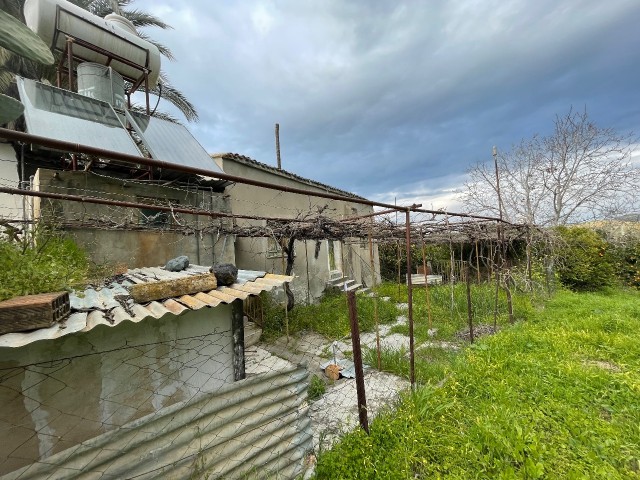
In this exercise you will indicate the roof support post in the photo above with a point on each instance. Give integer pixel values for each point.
(237, 331)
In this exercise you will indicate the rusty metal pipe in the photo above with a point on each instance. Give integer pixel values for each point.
(122, 203)
(412, 363)
(134, 159)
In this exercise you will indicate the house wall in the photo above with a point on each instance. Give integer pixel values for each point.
(10, 205)
(311, 265)
(58, 393)
(130, 245)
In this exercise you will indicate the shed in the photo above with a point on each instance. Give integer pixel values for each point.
(117, 366)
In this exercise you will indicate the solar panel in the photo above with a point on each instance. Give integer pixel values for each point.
(71, 117)
(170, 142)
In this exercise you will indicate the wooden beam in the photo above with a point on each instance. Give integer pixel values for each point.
(148, 291)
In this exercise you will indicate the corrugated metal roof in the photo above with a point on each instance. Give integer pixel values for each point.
(112, 304)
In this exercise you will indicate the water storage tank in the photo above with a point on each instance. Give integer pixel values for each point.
(53, 20)
(102, 83)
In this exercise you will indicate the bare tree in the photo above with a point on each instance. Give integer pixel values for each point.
(579, 171)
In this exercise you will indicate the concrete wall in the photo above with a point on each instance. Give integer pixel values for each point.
(10, 205)
(130, 245)
(56, 394)
(311, 270)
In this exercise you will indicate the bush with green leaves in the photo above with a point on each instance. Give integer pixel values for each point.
(628, 263)
(585, 259)
(47, 262)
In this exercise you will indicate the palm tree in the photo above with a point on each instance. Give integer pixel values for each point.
(11, 64)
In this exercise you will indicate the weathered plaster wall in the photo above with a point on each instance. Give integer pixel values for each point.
(10, 205)
(135, 248)
(56, 394)
(352, 257)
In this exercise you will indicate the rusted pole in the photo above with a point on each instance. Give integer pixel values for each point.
(357, 361)
(426, 279)
(278, 146)
(70, 61)
(375, 297)
(237, 328)
(306, 257)
(469, 311)
(412, 365)
(498, 273)
(135, 159)
(477, 262)
(146, 91)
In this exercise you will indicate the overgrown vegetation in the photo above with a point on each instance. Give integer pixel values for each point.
(588, 261)
(330, 317)
(44, 262)
(557, 396)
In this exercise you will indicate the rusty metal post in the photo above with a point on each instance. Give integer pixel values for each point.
(375, 296)
(426, 279)
(278, 146)
(412, 365)
(237, 331)
(70, 61)
(469, 311)
(357, 360)
(477, 262)
(146, 91)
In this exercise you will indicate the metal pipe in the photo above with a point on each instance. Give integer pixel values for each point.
(121, 203)
(134, 159)
(412, 364)
(357, 361)
(70, 61)
(469, 309)
(278, 146)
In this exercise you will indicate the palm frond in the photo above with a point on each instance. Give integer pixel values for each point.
(164, 50)
(163, 115)
(143, 19)
(176, 98)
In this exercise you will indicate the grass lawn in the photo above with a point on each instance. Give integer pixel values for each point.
(555, 396)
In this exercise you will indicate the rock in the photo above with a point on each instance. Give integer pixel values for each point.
(177, 264)
(226, 273)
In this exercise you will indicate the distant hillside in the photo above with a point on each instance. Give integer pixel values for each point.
(630, 217)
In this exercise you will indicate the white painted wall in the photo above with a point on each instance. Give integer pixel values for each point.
(56, 394)
(10, 205)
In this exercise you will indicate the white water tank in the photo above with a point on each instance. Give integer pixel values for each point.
(102, 83)
(53, 20)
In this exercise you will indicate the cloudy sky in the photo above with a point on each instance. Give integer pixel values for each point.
(397, 98)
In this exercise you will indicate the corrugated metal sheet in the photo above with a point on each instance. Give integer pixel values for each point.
(255, 428)
(112, 304)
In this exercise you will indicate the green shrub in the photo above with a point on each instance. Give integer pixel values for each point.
(316, 388)
(628, 264)
(48, 263)
(586, 261)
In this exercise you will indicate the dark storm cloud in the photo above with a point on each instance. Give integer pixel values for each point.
(397, 98)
